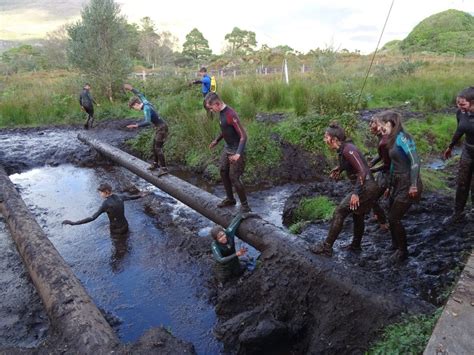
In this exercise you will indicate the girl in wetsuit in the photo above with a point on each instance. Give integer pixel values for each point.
(405, 184)
(465, 118)
(359, 201)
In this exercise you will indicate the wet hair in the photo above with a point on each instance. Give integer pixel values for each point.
(87, 84)
(467, 94)
(203, 70)
(215, 231)
(134, 100)
(211, 98)
(104, 187)
(396, 120)
(336, 131)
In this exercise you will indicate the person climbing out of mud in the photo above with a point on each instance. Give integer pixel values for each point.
(223, 250)
(113, 206)
(382, 171)
(151, 116)
(87, 105)
(232, 161)
(465, 126)
(405, 186)
(359, 201)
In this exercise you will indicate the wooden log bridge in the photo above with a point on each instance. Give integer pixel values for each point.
(74, 316)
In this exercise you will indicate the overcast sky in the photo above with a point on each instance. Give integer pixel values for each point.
(301, 24)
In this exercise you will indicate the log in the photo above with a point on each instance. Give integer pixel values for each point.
(73, 315)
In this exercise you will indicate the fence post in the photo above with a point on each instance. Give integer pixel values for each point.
(235, 74)
(302, 69)
(285, 67)
(143, 75)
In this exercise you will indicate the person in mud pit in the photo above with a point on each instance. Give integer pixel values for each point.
(465, 126)
(383, 171)
(140, 103)
(405, 183)
(87, 105)
(224, 253)
(114, 207)
(359, 201)
(232, 161)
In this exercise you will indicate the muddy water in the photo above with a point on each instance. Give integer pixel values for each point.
(137, 281)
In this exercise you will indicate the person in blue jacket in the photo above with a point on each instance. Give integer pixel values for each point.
(405, 185)
(205, 82)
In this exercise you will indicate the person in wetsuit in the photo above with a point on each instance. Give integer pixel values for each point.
(382, 171)
(151, 116)
(359, 201)
(113, 206)
(232, 161)
(224, 253)
(405, 186)
(465, 117)
(87, 105)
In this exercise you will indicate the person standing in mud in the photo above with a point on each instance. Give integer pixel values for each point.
(223, 250)
(359, 201)
(114, 207)
(140, 103)
(232, 161)
(405, 183)
(465, 117)
(383, 170)
(87, 105)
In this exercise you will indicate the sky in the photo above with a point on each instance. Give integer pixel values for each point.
(301, 24)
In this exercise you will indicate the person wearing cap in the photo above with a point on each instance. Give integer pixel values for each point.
(113, 206)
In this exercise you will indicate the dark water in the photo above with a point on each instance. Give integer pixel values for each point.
(138, 281)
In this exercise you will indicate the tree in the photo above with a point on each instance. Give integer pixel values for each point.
(55, 48)
(99, 45)
(22, 58)
(241, 42)
(149, 41)
(196, 46)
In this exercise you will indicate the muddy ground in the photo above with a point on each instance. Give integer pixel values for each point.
(276, 308)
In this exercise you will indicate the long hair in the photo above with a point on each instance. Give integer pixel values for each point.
(396, 120)
(336, 131)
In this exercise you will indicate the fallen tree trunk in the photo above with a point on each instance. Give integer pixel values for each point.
(73, 314)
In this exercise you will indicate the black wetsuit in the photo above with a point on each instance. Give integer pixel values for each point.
(382, 177)
(227, 261)
(87, 102)
(354, 164)
(114, 207)
(466, 163)
(404, 173)
(235, 139)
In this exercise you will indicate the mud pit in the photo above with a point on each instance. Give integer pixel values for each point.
(277, 308)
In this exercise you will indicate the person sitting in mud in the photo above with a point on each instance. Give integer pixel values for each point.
(87, 105)
(223, 250)
(405, 183)
(359, 201)
(383, 170)
(465, 126)
(113, 206)
(140, 103)
(232, 161)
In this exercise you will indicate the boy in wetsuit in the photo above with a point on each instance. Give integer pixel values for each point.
(87, 105)
(151, 116)
(113, 206)
(223, 250)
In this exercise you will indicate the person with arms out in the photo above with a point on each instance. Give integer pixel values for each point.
(151, 116)
(87, 105)
(208, 85)
(359, 201)
(223, 250)
(232, 161)
(405, 186)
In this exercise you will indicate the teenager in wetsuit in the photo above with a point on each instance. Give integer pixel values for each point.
(405, 184)
(151, 116)
(382, 171)
(113, 206)
(465, 119)
(359, 201)
(223, 250)
(232, 162)
(87, 105)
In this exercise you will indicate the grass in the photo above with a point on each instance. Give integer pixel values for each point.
(315, 208)
(434, 181)
(407, 337)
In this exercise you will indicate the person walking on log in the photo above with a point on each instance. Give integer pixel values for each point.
(232, 161)
(359, 201)
(151, 116)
